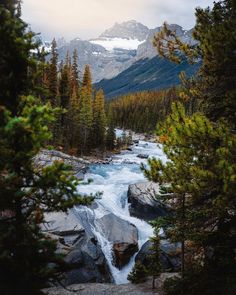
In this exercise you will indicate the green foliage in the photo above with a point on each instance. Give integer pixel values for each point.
(110, 136)
(138, 274)
(85, 120)
(26, 195)
(53, 72)
(214, 86)
(215, 27)
(28, 260)
(99, 119)
(87, 79)
(200, 180)
(155, 266)
(75, 71)
(15, 57)
(201, 282)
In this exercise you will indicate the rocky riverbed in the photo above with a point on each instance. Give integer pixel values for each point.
(103, 241)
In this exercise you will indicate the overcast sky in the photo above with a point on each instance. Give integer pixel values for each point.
(88, 18)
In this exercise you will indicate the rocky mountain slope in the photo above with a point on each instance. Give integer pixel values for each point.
(146, 74)
(117, 48)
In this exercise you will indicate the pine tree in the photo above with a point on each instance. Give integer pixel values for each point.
(214, 84)
(40, 76)
(64, 90)
(85, 120)
(199, 183)
(87, 79)
(13, 66)
(54, 93)
(99, 120)
(138, 274)
(73, 121)
(154, 268)
(75, 71)
(53, 74)
(27, 256)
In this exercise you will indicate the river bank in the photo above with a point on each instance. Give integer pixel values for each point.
(111, 289)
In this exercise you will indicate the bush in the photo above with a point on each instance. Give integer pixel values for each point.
(138, 274)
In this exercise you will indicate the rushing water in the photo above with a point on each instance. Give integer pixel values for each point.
(113, 180)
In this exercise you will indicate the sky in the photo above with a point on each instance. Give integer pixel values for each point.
(87, 19)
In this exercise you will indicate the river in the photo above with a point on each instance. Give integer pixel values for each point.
(113, 180)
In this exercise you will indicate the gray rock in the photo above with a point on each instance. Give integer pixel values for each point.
(112, 289)
(143, 156)
(170, 257)
(62, 224)
(83, 254)
(48, 157)
(123, 236)
(128, 30)
(143, 204)
(88, 262)
(106, 64)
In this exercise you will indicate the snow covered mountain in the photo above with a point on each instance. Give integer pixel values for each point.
(117, 48)
(128, 35)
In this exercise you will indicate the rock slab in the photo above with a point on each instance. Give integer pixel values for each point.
(143, 203)
(122, 235)
(80, 248)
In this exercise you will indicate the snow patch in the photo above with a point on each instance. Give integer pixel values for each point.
(111, 43)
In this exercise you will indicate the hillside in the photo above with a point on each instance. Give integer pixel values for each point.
(146, 74)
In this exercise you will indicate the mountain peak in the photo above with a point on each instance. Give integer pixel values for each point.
(127, 30)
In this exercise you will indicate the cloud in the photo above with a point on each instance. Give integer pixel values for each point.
(88, 18)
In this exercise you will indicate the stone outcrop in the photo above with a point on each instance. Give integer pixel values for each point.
(48, 157)
(143, 203)
(88, 261)
(82, 252)
(111, 289)
(123, 236)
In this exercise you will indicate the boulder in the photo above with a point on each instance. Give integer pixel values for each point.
(48, 157)
(143, 203)
(129, 149)
(62, 224)
(143, 156)
(88, 262)
(122, 235)
(170, 255)
(80, 248)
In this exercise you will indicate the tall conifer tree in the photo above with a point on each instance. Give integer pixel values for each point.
(87, 79)
(75, 71)
(99, 119)
(28, 261)
(85, 121)
(53, 75)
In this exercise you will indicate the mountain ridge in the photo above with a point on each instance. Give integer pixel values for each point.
(117, 49)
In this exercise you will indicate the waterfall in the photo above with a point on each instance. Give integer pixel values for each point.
(113, 180)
